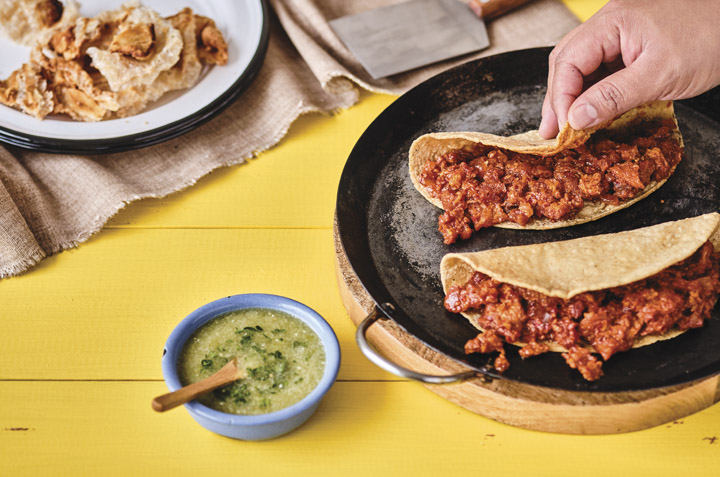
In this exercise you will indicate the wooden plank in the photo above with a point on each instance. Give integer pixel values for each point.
(379, 428)
(105, 310)
(584, 9)
(292, 185)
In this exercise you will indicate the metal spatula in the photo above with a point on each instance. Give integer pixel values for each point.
(416, 33)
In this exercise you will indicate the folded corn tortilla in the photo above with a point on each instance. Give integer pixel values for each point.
(567, 268)
(431, 146)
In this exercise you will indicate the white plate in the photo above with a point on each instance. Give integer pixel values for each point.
(244, 24)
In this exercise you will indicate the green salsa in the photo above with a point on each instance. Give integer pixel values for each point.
(284, 360)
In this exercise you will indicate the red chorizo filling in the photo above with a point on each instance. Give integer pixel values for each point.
(680, 297)
(483, 186)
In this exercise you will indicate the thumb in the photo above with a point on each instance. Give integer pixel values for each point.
(613, 95)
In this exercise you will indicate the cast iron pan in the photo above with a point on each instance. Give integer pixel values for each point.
(389, 231)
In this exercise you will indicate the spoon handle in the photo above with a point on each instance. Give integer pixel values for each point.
(225, 375)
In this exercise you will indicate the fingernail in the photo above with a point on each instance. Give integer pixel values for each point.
(582, 116)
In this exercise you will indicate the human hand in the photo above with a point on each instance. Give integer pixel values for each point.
(629, 53)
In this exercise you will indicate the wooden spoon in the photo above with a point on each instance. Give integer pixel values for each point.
(225, 375)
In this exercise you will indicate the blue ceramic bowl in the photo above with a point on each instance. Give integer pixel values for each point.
(263, 426)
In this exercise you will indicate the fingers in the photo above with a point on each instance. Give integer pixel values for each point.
(578, 56)
(628, 53)
(549, 124)
(565, 83)
(612, 96)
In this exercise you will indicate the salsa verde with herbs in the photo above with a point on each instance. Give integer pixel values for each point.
(284, 360)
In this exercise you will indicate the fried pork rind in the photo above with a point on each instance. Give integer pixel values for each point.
(27, 90)
(29, 22)
(132, 39)
(56, 85)
(73, 41)
(48, 12)
(183, 74)
(211, 46)
(112, 65)
(122, 71)
(76, 93)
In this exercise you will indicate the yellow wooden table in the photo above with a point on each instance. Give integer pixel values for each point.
(81, 337)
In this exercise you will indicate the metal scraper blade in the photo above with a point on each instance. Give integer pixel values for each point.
(408, 35)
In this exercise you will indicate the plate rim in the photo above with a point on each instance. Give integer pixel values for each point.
(153, 136)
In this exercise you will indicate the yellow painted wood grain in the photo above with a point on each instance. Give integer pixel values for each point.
(104, 310)
(584, 9)
(378, 428)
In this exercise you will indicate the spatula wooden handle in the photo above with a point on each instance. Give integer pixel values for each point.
(488, 9)
(225, 375)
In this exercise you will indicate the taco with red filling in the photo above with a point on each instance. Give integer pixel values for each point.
(525, 181)
(588, 298)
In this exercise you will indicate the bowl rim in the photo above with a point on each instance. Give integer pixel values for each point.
(213, 309)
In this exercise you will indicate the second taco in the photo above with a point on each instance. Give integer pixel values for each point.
(594, 295)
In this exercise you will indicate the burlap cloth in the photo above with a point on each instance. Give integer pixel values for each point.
(49, 203)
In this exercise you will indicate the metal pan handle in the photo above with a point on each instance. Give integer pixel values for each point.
(383, 363)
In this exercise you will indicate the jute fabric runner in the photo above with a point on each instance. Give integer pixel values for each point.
(49, 202)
